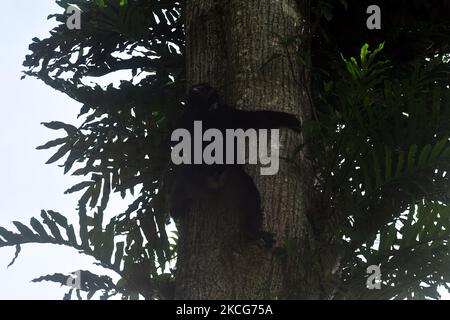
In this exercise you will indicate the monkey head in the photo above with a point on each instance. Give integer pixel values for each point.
(202, 97)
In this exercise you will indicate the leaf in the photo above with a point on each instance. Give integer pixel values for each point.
(62, 221)
(106, 191)
(96, 233)
(71, 235)
(437, 149)
(367, 177)
(84, 109)
(56, 277)
(82, 171)
(75, 154)
(57, 125)
(119, 254)
(424, 154)
(100, 3)
(445, 154)
(24, 231)
(39, 228)
(79, 186)
(363, 55)
(83, 224)
(53, 143)
(58, 218)
(108, 240)
(16, 254)
(8, 235)
(95, 193)
(388, 163)
(411, 158)
(400, 163)
(387, 238)
(52, 226)
(377, 169)
(375, 53)
(60, 153)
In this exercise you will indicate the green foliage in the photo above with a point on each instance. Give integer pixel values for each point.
(379, 144)
(387, 134)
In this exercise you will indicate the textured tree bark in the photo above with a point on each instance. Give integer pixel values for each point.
(230, 44)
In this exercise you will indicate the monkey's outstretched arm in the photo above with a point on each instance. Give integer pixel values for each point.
(267, 120)
(224, 117)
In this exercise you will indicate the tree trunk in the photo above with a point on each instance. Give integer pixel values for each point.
(236, 47)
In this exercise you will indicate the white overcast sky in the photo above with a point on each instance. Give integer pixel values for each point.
(28, 185)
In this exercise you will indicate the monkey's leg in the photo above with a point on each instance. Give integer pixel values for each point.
(250, 200)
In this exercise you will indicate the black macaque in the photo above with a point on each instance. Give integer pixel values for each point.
(227, 181)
